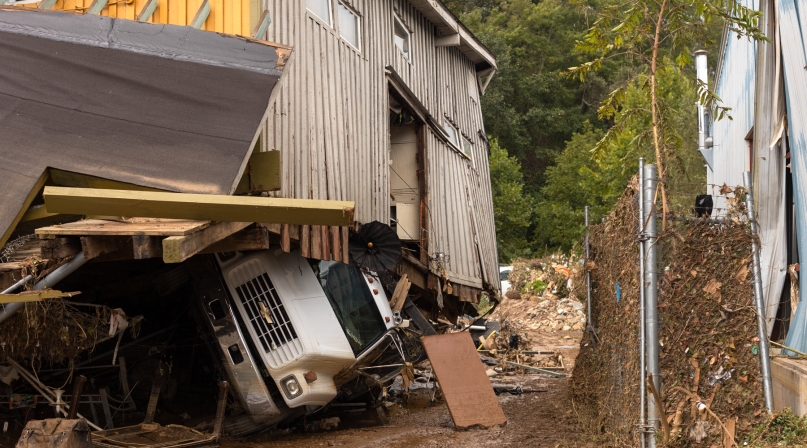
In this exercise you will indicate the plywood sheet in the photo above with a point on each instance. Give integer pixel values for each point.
(462, 377)
(152, 227)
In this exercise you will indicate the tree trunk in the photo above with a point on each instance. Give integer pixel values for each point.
(654, 113)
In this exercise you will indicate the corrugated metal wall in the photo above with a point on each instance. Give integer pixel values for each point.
(330, 121)
(735, 86)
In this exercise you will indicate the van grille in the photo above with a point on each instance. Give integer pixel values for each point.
(279, 338)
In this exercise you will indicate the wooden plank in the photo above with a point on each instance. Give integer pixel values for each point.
(147, 11)
(400, 293)
(247, 239)
(466, 387)
(35, 296)
(145, 246)
(151, 227)
(345, 245)
(177, 249)
(336, 245)
(10, 267)
(201, 15)
(59, 248)
(326, 245)
(197, 206)
(305, 241)
(95, 246)
(285, 238)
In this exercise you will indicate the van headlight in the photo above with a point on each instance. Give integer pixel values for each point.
(291, 387)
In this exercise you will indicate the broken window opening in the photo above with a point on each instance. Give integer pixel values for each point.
(352, 302)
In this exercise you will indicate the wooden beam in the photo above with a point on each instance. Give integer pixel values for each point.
(35, 296)
(86, 201)
(177, 249)
(147, 11)
(36, 212)
(46, 4)
(144, 246)
(25, 205)
(247, 239)
(13, 266)
(452, 40)
(260, 30)
(96, 7)
(59, 248)
(201, 15)
(95, 246)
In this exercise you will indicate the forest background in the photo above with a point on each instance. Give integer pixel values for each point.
(543, 125)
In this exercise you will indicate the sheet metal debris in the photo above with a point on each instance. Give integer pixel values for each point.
(462, 377)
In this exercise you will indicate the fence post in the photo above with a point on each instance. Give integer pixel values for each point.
(650, 182)
(589, 324)
(642, 362)
(759, 301)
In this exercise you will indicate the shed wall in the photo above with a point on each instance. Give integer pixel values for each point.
(330, 122)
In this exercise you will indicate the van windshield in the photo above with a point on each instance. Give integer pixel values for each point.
(352, 302)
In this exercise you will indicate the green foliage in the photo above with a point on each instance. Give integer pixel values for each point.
(782, 429)
(511, 207)
(536, 287)
(529, 106)
(584, 176)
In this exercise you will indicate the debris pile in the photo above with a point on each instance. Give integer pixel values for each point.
(544, 296)
(709, 360)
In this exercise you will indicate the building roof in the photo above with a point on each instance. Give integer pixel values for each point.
(448, 24)
(159, 106)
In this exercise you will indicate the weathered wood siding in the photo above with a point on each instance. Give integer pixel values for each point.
(330, 122)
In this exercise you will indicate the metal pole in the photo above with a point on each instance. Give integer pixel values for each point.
(642, 361)
(588, 283)
(50, 280)
(759, 301)
(650, 183)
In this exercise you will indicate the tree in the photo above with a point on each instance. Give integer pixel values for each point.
(511, 207)
(582, 178)
(656, 35)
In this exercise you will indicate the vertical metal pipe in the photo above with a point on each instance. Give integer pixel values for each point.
(651, 295)
(759, 301)
(588, 282)
(642, 361)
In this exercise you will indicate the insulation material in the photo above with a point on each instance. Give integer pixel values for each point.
(792, 21)
(159, 106)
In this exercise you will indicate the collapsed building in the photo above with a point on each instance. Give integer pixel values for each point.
(305, 210)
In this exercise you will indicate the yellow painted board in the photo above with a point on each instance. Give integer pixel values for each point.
(35, 296)
(202, 207)
(26, 204)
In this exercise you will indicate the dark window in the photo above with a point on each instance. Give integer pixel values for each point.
(352, 302)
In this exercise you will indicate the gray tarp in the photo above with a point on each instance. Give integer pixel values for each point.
(160, 106)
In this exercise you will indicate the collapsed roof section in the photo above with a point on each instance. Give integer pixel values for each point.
(158, 106)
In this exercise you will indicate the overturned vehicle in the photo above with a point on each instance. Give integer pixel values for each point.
(296, 335)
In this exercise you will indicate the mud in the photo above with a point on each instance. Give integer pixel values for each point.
(541, 417)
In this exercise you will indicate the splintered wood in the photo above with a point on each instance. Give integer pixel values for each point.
(469, 395)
